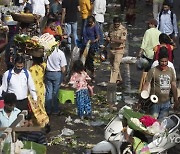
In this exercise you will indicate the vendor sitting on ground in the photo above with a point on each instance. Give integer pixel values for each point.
(34, 136)
(9, 113)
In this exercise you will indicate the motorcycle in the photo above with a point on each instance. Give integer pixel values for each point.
(157, 143)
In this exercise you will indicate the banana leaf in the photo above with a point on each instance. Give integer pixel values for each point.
(128, 114)
(21, 38)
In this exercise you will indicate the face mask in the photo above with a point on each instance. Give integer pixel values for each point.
(165, 11)
(17, 70)
(8, 109)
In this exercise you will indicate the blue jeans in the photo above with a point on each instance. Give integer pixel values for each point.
(84, 22)
(52, 83)
(161, 110)
(101, 40)
(71, 27)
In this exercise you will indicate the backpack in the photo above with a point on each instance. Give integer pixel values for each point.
(170, 16)
(10, 75)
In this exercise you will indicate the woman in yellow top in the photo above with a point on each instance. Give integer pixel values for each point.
(86, 11)
(37, 72)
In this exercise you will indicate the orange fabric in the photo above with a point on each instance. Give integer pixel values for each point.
(169, 48)
(162, 45)
(50, 31)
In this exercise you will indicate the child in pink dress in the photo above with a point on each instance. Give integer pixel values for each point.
(79, 81)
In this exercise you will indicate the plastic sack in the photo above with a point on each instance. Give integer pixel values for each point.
(75, 53)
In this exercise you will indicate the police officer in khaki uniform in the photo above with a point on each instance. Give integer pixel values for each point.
(116, 38)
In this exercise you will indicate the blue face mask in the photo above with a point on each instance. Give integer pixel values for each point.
(17, 70)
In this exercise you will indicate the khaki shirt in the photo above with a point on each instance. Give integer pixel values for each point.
(120, 34)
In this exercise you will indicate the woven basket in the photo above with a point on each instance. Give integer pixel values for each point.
(37, 52)
(25, 18)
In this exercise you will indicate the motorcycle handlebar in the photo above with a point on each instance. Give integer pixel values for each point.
(177, 125)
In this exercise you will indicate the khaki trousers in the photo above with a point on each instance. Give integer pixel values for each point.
(115, 57)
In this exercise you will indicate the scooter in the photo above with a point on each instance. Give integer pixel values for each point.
(157, 144)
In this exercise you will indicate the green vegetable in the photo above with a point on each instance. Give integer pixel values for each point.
(21, 38)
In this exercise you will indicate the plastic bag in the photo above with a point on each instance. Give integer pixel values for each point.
(75, 53)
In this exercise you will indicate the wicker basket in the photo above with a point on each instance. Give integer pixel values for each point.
(36, 52)
(25, 18)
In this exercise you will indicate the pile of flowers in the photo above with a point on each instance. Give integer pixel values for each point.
(46, 40)
(141, 122)
(149, 124)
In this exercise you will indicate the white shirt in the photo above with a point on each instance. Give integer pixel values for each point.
(99, 10)
(56, 60)
(19, 85)
(39, 6)
(166, 25)
(156, 63)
